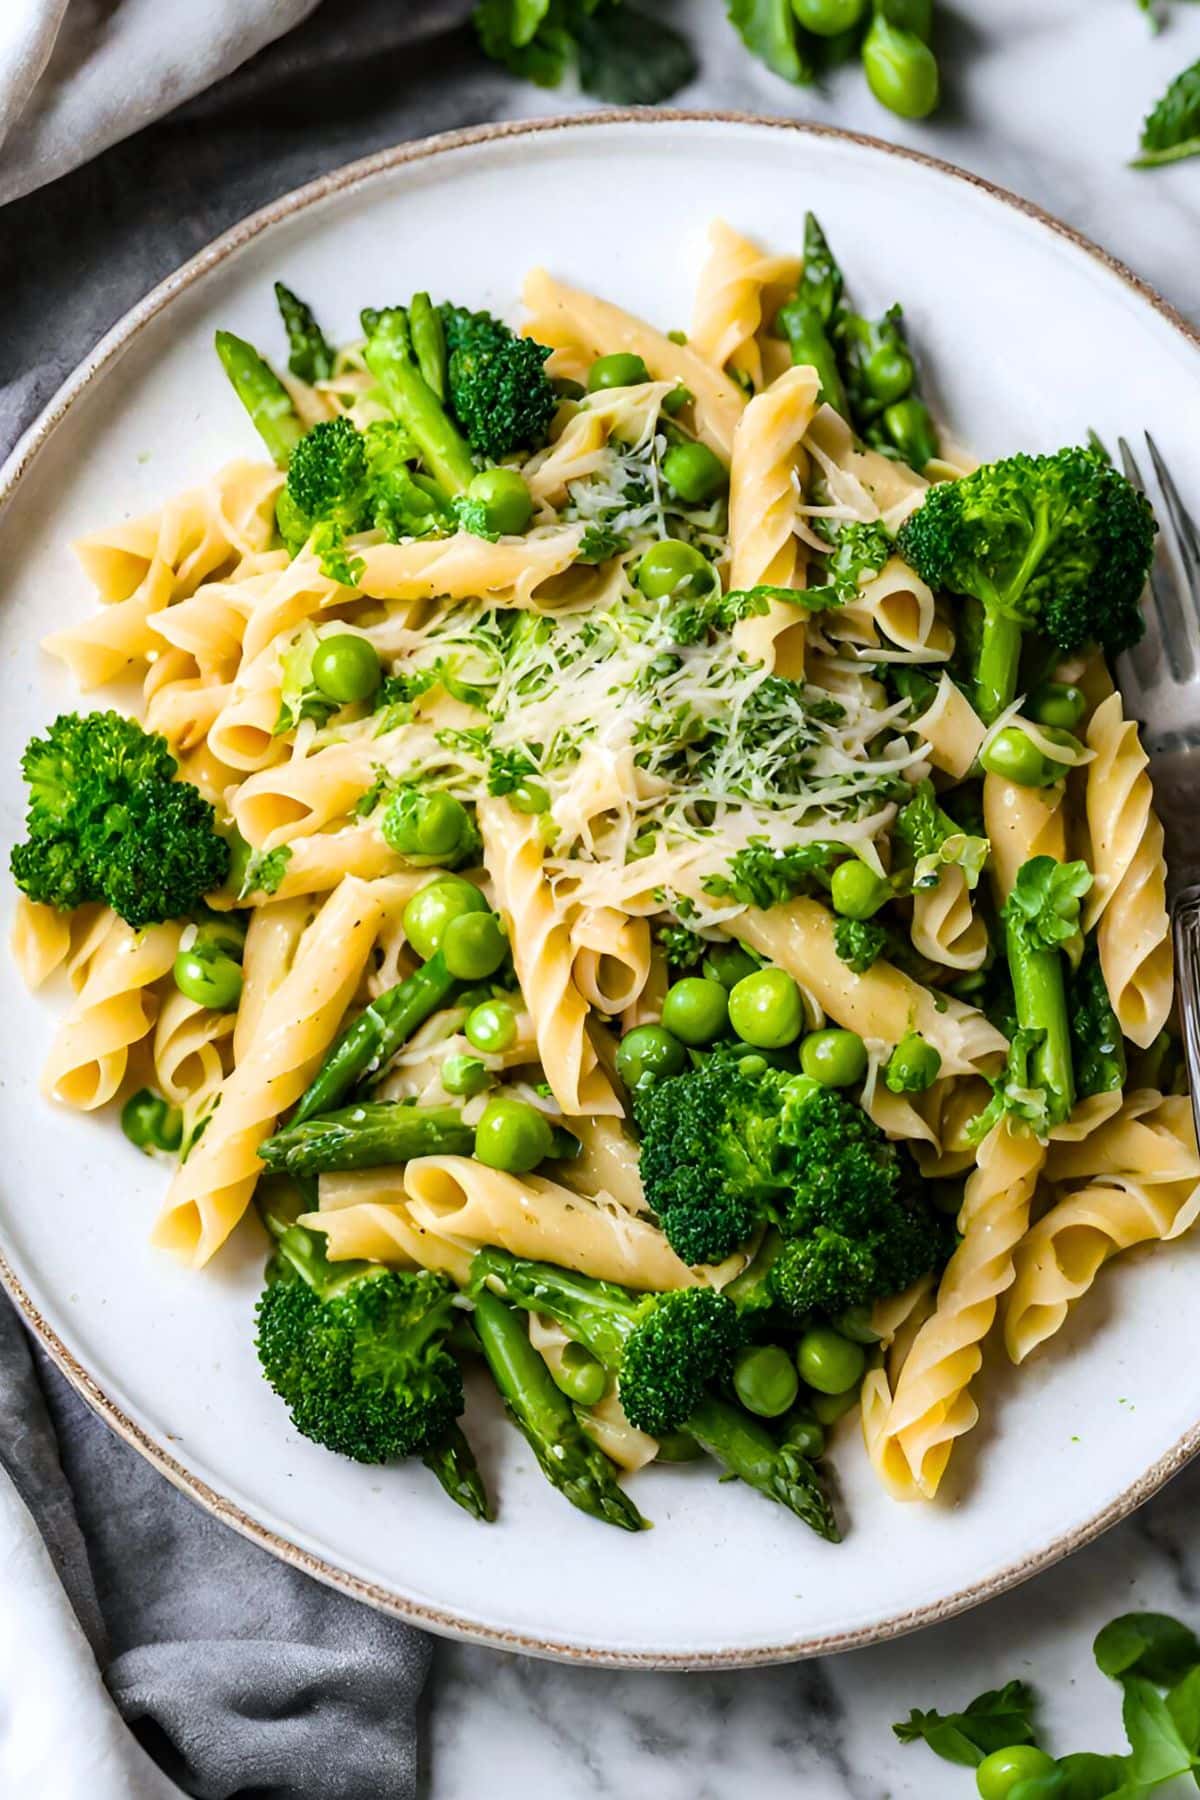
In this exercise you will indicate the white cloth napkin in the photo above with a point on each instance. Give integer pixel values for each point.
(49, 1690)
(78, 75)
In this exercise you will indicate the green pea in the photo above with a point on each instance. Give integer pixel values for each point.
(1012, 754)
(802, 1430)
(901, 70)
(149, 1122)
(729, 964)
(431, 909)
(910, 427)
(346, 667)
(677, 399)
(474, 945)
(828, 1362)
(913, 1065)
(672, 570)
(647, 1054)
(696, 1010)
(209, 977)
(491, 1027)
(829, 1408)
(529, 797)
(695, 472)
(857, 891)
(580, 1377)
(766, 1010)
(888, 373)
(464, 1075)
(855, 1324)
(765, 1380)
(505, 497)
(426, 827)
(678, 1447)
(911, 15)
(1056, 703)
(622, 369)
(829, 18)
(999, 1773)
(512, 1135)
(834, 1057)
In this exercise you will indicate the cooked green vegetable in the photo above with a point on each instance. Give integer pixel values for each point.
(1057, 544)
(368, 1135)
(107, 820)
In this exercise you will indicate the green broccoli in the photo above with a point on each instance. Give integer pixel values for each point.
(710, 1152)
(498, 388)
(855, 1225)
(341, 481)
(665, 1349)
(108, 821)
(359, 1354)
(1061, 544)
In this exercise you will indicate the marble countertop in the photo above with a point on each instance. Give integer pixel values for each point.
(1045, 99)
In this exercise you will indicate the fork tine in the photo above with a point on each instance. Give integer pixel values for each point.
(1173, 630)
(1185, 526)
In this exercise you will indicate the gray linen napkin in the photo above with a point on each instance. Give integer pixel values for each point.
(241, 1676)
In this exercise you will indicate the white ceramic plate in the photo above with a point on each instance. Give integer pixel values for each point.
(1028, 337)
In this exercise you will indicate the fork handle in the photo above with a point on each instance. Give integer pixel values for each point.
(1186, 923)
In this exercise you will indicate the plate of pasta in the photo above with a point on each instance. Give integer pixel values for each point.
(591, 913)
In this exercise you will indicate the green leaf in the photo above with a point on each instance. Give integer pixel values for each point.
(1044, 902)
(543, 55)
(1183, 1704)
(1081, 1777)
(1013, 1094)
(993, 1721)
(299, 698)
(629, 58)
(1149, 1644)
(264, 871)
(859, 943)
(1157, 1752)
(768, 30)
(1172, 129)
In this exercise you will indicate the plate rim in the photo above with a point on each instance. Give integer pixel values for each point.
(451, 1623)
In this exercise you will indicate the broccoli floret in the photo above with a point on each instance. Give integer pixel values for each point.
(1062, 543)
(357, 1351)
(341, 481)
(710, 1152)
(665, 1349)
(855, 1225)
(108, 821)
(499, 390)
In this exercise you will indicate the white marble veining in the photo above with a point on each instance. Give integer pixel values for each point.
(1047, 100)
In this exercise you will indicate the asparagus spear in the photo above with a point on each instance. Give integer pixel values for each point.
(367, 1136)
(368, 1045)
(566, 1456)
(428, 342)
(748, 1451)
(452, 1460)
(263, 395)
(805, 320)
(310, 356)
(391, 358)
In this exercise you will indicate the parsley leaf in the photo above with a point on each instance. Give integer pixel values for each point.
(264, 871)
(859, 943)
(764, 877)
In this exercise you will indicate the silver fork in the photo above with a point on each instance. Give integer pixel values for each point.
(1160, 679)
